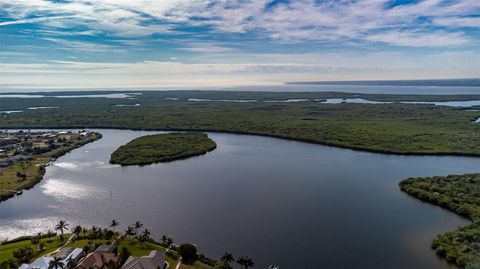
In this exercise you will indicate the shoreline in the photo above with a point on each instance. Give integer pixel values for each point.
(443, 191)
(309, 141)
(42, 168)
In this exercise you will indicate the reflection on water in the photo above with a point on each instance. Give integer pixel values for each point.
(62, 189)
(353, 101)
(219, 100)
(32, 225)
(10, 111)
(267, 198)
(126, 105)
(42, 107)
(287, 101)
(364, 101)
(131, 95)
(450, 103)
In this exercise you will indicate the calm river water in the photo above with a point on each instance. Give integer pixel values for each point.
(280, 202)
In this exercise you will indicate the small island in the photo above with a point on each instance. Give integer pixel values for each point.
(460, 194)
(162, 148)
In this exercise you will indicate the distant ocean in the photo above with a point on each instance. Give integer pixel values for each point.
(460, 86)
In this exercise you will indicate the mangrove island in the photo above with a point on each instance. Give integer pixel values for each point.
(162, 148)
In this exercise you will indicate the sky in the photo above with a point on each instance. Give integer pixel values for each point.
(221, 43)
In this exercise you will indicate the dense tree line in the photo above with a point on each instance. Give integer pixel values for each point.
(460, 194)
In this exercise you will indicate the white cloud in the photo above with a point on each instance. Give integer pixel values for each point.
(286, 21)
(254, 70)
(34, 20)
(206, 48)
(82, 46)
(420, 39)
(458, 21)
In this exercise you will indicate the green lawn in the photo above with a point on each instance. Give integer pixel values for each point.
(51, 244)
(34, 171)
(196, 265)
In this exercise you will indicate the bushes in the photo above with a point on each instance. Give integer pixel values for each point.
(23, 255)
(162, 148)
(458, 193)
(397, 128)
(188, 252)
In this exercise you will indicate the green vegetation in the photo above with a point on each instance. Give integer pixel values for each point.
(162, 148)
(460, 194)
(39, 245)
(389, 128)
(21, 176)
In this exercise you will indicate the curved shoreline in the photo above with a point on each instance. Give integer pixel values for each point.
(132, 133)
(451, 193)
(42, 171)
(310, 141)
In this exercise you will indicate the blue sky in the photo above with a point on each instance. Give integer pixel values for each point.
(196, 43)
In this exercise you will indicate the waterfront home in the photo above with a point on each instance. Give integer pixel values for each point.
(99, 260)
(107, 248)
(68, 253)
(44, 261)
(154, 260)
(40, 263)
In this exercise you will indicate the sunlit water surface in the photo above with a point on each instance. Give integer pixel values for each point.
(280, 202)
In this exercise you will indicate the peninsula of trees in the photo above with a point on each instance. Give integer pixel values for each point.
(460, 194)
(24, 156)
(162, 148)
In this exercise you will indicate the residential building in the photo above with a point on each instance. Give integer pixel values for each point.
(154, 260)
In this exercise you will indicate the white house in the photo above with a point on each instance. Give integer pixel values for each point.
(65, 254)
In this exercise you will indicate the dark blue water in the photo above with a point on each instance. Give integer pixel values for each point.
(280, 202)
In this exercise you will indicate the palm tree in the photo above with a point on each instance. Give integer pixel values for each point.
(164, 239)
(114, 224)
(61, 226)
(94, 232)
(137, 226)
(129, 231)
(70, 264)
(227, 258)
(169, 241)
(245, 262)
(145, 235)
(56, 263)
(77, 230)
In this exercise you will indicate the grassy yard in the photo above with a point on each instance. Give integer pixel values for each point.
(51, 243)
(34, 170)
(135, 247)
(195, 265)
(10, 183)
